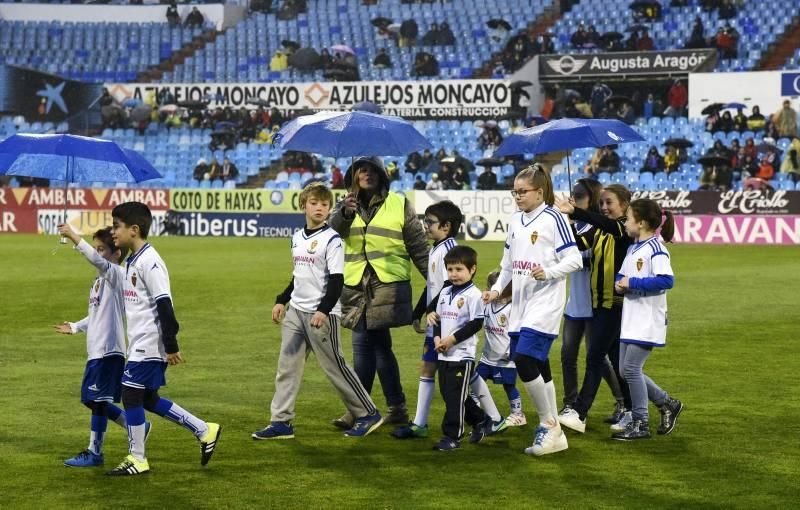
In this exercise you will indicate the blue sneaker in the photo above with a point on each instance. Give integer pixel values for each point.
(446, 444)
(85, 459)
(363, 426)
(275, 430)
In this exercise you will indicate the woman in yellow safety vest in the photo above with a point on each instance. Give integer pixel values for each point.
(382, 237)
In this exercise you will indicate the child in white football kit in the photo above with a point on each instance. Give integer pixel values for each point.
(442, 222)
(644, 278)
(105, 341)
(539, 252)
(497, 362)
(311, 323)
(456, 322)
(152, 339)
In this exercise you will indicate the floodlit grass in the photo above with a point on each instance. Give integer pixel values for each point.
(731, 358)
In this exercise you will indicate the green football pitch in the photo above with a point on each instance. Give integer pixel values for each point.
(732, 358)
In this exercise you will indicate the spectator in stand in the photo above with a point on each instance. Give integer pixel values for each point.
(583, 108)
(756, 121)
(275, 118)
(213, 168)
(446, 36)
(735, 152)
(579, 39)
(633, 41)
(446, 175)
(487, 180)
(337, 178)
(279, 62)
(726, 41)
(431, 38)
(419, 184)
(749, 148)
(697, 39)
(727, 10)
(609, 160)
(653, 162)
(593, 165)
(434, 184)
(392, 172)
(426, 64)
(382, 59)
(677, 98)
(461, 178)
(408, 33)
(490, 137)
(645, 42)
(725, 123)
(747, 166)
(195, 18)
(791, 163)
(413, 162)
(740, 121)
(626, 113)
(325, 59)
(427, 161)
(228, 171)
(201, 171)
(671, 159)
(173, 18)
(785, 121)
(600, 93)
(592, 37)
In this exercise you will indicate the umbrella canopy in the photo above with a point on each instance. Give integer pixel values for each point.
(498, 23)
(306, 59)
(168, 108)
(259, 102)
(193, 105)
(612, 36)
(566, 134)
(342, 48)
(713, 161)
(290, 45)
(738, 106)
(141, 113)
(519, 84)
(367, 106)
(351, 134)
(768, 147)
(643, 4)
(679, 143)
(131, 102)
(712, 108)
(381, 22)
(72, 158)
(488, 162)
(637, 28)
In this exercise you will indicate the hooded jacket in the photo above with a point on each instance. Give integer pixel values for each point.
(384, 305)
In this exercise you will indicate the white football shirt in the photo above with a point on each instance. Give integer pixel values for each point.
(497, 344)
(644, 314)
(315, 258)
(456, 308)
(437, 272)
(105, 331)
(146, 281)
(579, 304)
(540, 237)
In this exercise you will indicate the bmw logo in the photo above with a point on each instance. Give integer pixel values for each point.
(276, 197)
(477, 227)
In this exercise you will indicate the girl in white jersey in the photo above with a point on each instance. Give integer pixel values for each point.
(539, 252)
(105, 340)
(644, 278)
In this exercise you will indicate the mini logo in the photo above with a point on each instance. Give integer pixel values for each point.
(460, 302)
(316, 95)
(534, 237)
(566, 65)
(614, 136)
(93, 387)
(276, 197)
(503, 320)
(313, 247)
(133, 279)
(478, 227)
(639, 264)
(459, 374)
(127, 374)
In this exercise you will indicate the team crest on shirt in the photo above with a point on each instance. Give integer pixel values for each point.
(502, 320)
(433, 267)
(313, 247)
(460, 302)
(133, 279)
(534, 237)
(639, 264)
(97, 285)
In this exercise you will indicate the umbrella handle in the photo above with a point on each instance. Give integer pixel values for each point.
(569, 176)
(63, 239)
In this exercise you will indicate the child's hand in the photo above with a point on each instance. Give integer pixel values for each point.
(64, 328)
(317, 320)
(622, 285)
(66, 231)
(433, 319)
(175, 358)
(277, 313)
(489, 295)
(538, 272)
(417, 326)
(445, 344)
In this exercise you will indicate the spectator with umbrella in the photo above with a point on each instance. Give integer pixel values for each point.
(408, 33)
(653, 162)
(382, 59)
(306, 59)
(756, 120)
(325, 59)
(740, 120)
(201, 171)
(578, 38)
(500, 29)
(279, 62)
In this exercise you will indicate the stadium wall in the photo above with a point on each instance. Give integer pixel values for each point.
(733, 217)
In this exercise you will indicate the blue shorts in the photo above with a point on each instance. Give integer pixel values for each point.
(534, 344)
(150, 375)
(498, 375)
(102, 379)
(512, 348)
(429, 350)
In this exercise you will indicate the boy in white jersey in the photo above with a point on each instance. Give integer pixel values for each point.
(497, 361)
(152, 339)
(645, 276)
(456, 323)
(539, 252)
(105, 341)
(311, 322)
(442, 222)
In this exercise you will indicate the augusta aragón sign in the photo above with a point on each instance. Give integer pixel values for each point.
(626, 63)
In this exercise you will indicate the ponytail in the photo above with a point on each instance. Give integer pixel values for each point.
(668, 227)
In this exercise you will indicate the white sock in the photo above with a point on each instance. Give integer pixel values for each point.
(136, 440)
(551, 397)
(516, 405)
(96, 442)
(538, 393)
(187, 420)
(424, 399)
(481, 390)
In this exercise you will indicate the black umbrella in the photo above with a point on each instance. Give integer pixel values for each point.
(291, 45)
(223, 125)
(612, 36)
(141, 112)
(381, 22)
(490, 162)
(644, 4)
(637, 28)
(680, 143)
(713, 161)
(618, 99)
(305, 59)
(712, 108)
(519, 84)
(259, 102)
(571, 93)
(768, 147)
(498, 23)
(337, 74)
(193, 105)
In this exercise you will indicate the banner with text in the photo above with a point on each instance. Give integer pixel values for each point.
(737, 229)
(239, 224)
(619, 65)
(82, 198)
(85, 222)
(409, 99)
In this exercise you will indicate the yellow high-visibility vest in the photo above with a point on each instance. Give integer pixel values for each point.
(379, 244)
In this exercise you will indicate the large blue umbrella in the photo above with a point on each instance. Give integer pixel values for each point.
(566, 134)
(72, 158)
(351, 134)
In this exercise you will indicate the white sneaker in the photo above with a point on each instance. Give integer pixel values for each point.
(627, 417)
(569, 418)
(516, 420)
(547, 440)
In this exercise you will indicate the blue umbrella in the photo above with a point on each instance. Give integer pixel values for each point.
(738, 106)
(351, 134)
(72, 158)
(566, 134)
(131, 103)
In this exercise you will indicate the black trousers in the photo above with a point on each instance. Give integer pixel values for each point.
(454, 377)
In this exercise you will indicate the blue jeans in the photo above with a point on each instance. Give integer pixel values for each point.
(372, 351)
(631, 361)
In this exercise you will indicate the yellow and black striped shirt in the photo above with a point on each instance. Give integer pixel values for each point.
(609, 243)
